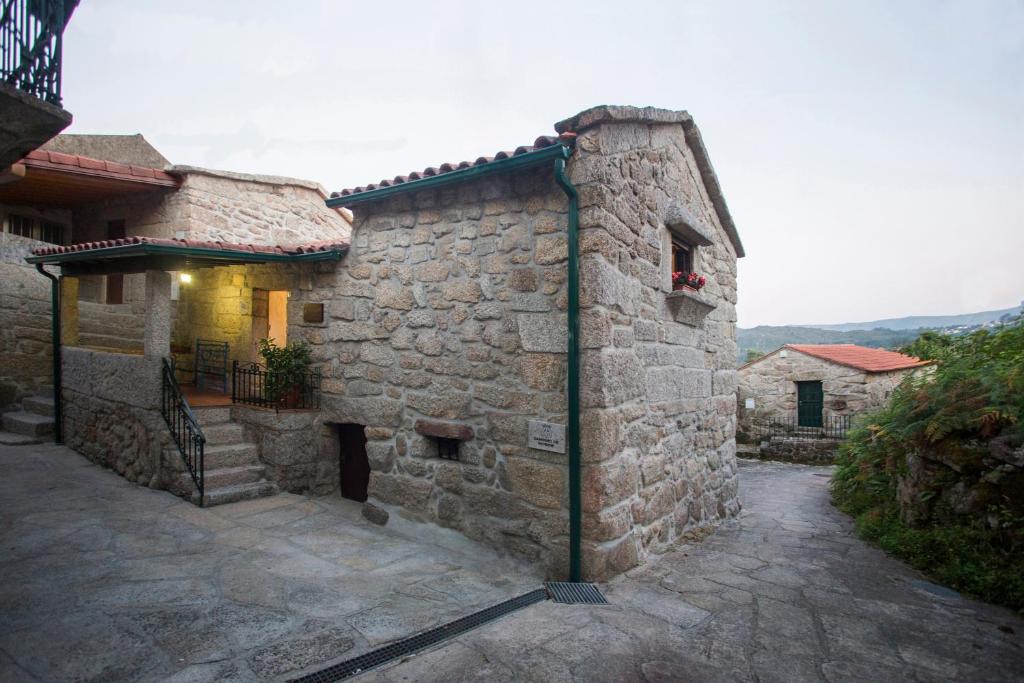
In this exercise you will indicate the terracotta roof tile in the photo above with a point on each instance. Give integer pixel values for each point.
(73, 163)
(860, 357)
(311, 248)
(539, 143)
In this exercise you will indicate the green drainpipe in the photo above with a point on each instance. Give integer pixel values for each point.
(58, 413)
(573, 430)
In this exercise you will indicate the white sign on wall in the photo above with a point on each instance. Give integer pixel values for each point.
(546, 436)
(749, 404)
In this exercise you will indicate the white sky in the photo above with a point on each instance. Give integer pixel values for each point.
(872, 153)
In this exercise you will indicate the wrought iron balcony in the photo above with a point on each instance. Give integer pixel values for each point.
(31, 33)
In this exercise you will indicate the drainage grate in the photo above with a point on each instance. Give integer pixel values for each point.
(575, 593)
(385, 654)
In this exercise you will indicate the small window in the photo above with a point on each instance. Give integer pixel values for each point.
(43, 231)
(682, 256)
(313, 313)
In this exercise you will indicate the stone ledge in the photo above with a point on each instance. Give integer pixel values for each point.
(688, 306)
(444, 430)
(620, 114)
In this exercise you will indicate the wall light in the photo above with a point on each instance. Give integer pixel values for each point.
(185, 278)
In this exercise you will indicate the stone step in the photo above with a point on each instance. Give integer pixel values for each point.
(212, 416)
(230, 455)
(232, 494)
(12, 439)
(28, 424)
(223, 434)
(40, 405)
(231, 476)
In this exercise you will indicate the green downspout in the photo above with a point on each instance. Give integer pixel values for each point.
(573, 429)
(58, 413)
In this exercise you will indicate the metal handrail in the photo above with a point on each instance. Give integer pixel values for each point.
(31, 45)
(252, 384)
(184, 427)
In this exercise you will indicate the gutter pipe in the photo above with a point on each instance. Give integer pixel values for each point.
(58, 412)
(573, 428)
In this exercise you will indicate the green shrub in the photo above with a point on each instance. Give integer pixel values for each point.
(974, 395)
(286, 368)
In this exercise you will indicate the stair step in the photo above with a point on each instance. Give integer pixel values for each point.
(12, 439)
(212, 416)
(224, 477)
(232, 494)
(230, 455)
(40, 405)
(28, 424)
(223, 433)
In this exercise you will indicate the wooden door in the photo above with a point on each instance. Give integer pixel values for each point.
(260, 319)
(355, 467)
(809, 401)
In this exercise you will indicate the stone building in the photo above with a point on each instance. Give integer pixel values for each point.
(810, 384)
(500, 347)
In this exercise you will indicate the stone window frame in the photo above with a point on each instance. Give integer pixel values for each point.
(681, 227)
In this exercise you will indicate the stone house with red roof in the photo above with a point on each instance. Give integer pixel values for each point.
(817, 385)
(499, 348)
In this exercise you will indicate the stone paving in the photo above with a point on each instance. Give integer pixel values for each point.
(105, 580)
(784, 593)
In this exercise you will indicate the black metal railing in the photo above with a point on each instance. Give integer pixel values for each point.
(31, 37)
(181, 421)
(830, 427)
(253, 385)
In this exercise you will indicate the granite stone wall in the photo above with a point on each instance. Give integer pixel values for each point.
(449, 314)
(26, 359)
(448, 318)
(659, 376)
(300, 453)
(112, 413)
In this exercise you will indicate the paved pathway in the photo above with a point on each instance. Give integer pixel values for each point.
(785, 593)
(103, 580)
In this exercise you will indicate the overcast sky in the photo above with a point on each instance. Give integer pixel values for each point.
(871, 153)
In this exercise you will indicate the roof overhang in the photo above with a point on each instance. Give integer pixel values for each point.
(140, 257)
(65, 180)
(511, 163)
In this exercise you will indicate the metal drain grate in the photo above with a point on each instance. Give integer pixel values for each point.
(383, 655)
(575, 593)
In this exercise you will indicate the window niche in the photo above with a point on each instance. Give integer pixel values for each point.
(447, 437)
(682, 241)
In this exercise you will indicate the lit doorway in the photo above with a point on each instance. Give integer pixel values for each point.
(269, 317)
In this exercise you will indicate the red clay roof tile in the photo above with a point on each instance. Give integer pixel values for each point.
(540, 143)
(311, 248)
(72, 163)
(860, 357)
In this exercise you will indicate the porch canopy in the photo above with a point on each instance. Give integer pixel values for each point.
(142, 254)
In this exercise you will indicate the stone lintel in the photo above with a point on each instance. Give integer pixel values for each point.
(609, 113)
(682, 222)
(444, 430)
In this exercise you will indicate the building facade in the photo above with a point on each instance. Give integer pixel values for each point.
(445, 332)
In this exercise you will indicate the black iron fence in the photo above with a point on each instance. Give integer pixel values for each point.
(182, 423)
(31, 37)
(253, 385)
(831, 427)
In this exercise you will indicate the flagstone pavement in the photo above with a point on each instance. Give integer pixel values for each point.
(104, 580)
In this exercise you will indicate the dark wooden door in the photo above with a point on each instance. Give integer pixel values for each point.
(115, 281)
(809, 400)
(355, 467)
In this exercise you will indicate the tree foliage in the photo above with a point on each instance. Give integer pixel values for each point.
(974, 394)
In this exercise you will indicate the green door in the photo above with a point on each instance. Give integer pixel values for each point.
(809, 399)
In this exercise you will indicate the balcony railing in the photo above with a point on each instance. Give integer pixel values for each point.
(832, 427)
(252, 385)
(31, 36)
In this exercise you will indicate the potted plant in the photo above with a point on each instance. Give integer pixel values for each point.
(683, 280)
(287, 367)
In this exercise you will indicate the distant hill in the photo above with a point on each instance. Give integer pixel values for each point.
(915, 322)
(891, 333)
